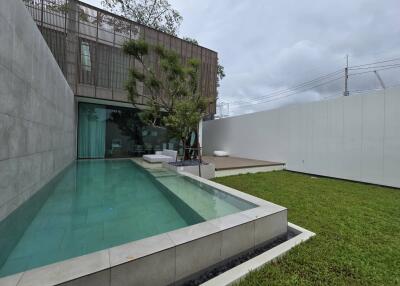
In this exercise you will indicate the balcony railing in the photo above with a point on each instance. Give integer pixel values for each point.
(86, 42)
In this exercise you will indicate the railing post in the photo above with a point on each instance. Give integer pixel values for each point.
(67, 7)
(96, 52)
(41, 14)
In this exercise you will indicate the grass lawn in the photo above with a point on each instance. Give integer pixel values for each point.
(357, 227)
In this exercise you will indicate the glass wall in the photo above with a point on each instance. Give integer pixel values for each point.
(117, 132)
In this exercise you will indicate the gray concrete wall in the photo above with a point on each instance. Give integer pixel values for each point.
(37, 115)
(355, 137)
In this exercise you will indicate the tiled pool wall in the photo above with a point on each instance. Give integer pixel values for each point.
(240, 204)
(173, 257)
(198, 248)
(189, 215)
(186, 194)
(14, 225)
(203, 246)
(50, 216)
(231, 274)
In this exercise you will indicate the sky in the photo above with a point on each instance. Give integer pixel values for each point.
(270, 46)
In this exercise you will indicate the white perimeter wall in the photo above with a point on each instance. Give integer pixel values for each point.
(355, 137)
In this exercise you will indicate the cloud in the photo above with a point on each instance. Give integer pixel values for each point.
(267, 46)
(271, 45)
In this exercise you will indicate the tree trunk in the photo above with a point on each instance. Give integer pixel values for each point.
(187, 150)
(195, 145)
(198, 150)
(191, 151)
(184, 148)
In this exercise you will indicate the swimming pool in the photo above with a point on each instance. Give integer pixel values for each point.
(97, 204)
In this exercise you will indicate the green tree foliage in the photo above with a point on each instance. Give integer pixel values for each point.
(170, 89)
(220, 73)
(157, 14)
(191, 40)
(220, 69)
(58, 7)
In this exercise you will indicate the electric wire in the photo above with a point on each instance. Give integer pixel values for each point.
(380, 62)
(373, 67)
(291, 94)
(309, 85)
(382, 69)
(292, 88)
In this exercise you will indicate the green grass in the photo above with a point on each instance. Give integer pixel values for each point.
(357, 227)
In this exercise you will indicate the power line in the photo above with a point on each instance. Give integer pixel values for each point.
(373, 67)
(297, 85)
(380, 62)
(382, 69)
(293, 93)
(276, 97)
(311, 84)
(321, 78)
(292, 88)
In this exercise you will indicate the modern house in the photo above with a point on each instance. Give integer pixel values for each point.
(62, 96)
(123, 222)
(65, 221)
(86, 43)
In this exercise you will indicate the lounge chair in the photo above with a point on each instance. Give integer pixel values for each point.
(220, 153)
(161, 156)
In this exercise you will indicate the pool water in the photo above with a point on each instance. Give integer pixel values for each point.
(97, 204)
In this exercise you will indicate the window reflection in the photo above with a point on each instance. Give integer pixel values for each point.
(117, 132)
(85, 57)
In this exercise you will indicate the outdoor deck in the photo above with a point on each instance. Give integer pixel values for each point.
(225, 166)
(229, 163)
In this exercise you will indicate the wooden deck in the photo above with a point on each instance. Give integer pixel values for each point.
(230, 163)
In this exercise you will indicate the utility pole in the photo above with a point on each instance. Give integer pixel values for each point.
(346, 77)
(221, 109)
(380, 79)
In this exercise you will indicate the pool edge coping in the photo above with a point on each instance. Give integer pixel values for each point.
(240, 271)
(62, 272)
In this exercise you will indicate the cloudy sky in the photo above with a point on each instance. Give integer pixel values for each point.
(269, 46)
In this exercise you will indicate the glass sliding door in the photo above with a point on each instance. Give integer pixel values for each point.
(92, 131)
(117, 132)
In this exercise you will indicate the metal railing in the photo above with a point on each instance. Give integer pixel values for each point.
(86, 42)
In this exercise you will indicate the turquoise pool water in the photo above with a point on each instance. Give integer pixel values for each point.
(97, 204)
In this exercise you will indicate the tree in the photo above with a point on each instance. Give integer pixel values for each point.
(190, 40)
(59, 8)
(157, 14)
(220, 73)
(170, 91)
(220, 68)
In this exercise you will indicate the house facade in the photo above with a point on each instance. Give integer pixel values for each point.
(86, 43)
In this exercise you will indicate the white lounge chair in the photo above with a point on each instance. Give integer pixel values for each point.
(161, 156)
(220, 153)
